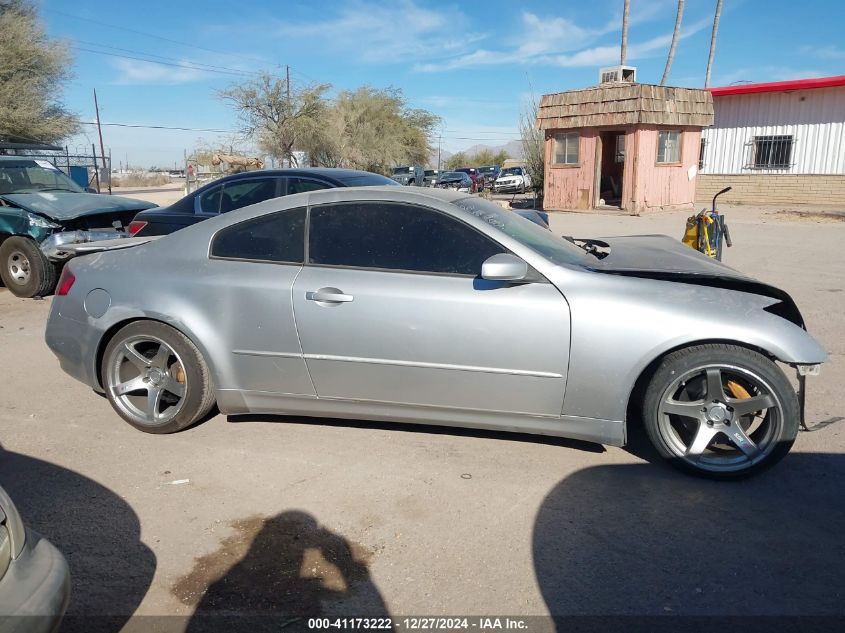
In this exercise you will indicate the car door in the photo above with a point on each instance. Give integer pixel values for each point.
(251, 270)
(390, 308)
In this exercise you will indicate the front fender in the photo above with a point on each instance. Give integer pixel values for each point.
(620, 325)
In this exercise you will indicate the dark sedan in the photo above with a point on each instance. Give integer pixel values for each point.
(241, 190)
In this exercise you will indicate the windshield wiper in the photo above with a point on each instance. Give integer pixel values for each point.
(597, 248)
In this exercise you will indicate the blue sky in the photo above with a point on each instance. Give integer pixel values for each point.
(472, 63)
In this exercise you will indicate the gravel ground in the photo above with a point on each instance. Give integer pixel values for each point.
(303, 517)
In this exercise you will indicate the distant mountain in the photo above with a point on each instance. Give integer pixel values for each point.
(513, 148)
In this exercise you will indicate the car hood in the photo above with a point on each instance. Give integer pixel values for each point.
(664, 258)
(68, 205)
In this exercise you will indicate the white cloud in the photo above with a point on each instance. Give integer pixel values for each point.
(547, 42)
(395, 33)
(140, 72)
(825, 52)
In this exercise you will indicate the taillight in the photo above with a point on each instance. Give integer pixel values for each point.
(135, 226)
(65, 282)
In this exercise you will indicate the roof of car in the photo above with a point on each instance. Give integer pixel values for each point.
(445, 195)
(327, 172)
(12, 157)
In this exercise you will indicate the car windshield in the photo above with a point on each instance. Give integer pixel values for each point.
(512, 171)
(31, 176)
(367, 180)
(556, 249)
(451, 174)
(487, 170)
(403, 170)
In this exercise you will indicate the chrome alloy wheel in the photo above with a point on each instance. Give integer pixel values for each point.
(19, 267)
(147, 380)
(705, 426)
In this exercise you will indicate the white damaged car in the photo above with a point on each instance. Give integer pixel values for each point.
(512, 180)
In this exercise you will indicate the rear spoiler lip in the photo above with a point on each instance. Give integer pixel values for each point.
(109, 245)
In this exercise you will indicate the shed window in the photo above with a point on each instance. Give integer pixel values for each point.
(701, 149)
(669, 146)
(566, 148)
(772, 152)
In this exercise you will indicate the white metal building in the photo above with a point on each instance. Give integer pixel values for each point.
(775, 143)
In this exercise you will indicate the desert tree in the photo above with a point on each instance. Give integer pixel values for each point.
(33, 68)
(716, 15)
(675, 35)
(456, 161)
(281, 119)
(372, 129)
(533, 145)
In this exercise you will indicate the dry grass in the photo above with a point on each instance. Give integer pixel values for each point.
(140, 179)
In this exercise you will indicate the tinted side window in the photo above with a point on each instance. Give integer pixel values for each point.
(246, 192)
(278, 237)
(396, 236)
(210, 200)
(301, 185)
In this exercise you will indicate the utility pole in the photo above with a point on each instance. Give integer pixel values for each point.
(102, 149)
(439, 139)
(287, 86)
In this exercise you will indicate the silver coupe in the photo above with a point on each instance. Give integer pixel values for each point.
(433, 306)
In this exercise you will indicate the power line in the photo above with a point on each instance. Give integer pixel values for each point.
(153, 35)
(183, 65)
(160, 127)
(162, 57)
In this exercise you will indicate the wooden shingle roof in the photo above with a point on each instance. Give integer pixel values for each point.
(625, 104)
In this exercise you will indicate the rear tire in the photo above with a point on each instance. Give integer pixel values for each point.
(155, 378)
(720, 411)
(25, 270)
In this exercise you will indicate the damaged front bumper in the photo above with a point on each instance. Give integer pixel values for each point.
(802, 371)
(56, 246)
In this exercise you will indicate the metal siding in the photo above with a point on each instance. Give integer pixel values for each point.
(817, 124)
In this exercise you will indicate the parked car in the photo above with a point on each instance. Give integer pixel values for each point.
(431, 177)
(457, 180)
(477, 179)
(41, 211)
(34, 576)
(432, 306)
(409, 175)
(240, 190)
(490, 173)
(512, 180)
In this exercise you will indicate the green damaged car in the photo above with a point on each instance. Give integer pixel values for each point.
(42, 211)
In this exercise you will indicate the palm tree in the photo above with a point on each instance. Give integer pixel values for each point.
(624, 51)
(716, 17)
(671, 57)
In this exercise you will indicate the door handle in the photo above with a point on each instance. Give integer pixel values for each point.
(328, 295)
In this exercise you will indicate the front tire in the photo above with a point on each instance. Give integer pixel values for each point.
(720, 411)
(25, 270)
(155, 378)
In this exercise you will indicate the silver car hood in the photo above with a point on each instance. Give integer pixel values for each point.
(664, 258)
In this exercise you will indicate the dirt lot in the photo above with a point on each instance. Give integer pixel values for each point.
(302, 517)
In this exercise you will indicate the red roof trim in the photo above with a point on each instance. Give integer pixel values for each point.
(779, 86)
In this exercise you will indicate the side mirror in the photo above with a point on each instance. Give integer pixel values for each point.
(504, 267)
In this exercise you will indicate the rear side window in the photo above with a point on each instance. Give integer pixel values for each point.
(301, 185)
(278, 237)
(396, 237)
(240, 193)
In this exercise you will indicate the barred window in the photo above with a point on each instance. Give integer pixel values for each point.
(701, 153)
(566, 148)
(669, 146)
(772, 152)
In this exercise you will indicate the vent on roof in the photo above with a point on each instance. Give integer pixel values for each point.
(618, 74)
